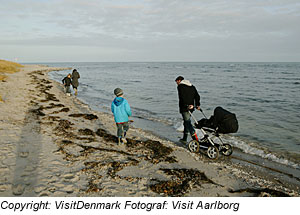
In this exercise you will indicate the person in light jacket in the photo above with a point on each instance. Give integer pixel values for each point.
(121, 110)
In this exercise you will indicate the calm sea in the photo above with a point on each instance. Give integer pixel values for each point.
(264, 96)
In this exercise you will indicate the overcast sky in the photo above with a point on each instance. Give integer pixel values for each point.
(149, 30)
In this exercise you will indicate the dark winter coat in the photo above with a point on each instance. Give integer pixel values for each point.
(187, 95)
(75, 77)
(67, 81)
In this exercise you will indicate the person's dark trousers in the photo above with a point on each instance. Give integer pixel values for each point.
(188, 127)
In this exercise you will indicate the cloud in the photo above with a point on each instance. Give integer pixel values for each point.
(135, 25)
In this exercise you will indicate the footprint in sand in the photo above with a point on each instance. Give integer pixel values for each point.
(23, 154)
(18, 189)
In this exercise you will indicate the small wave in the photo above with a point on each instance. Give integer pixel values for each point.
(135, 81)
(179, 126)
(251, 149)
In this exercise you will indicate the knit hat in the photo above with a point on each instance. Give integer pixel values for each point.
(179, 78)
(118, 92)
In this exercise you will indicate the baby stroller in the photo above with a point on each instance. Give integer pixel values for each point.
(222, 122)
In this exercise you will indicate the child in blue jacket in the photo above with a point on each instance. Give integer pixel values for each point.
(121, 111)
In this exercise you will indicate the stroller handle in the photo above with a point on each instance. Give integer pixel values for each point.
(203, 113)
(193, 117)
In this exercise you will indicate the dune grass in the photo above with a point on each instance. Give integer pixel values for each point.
(2, 77)
(8, 67)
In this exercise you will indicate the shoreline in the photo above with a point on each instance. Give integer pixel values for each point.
(55, 145)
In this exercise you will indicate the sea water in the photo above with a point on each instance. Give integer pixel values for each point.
(264, 96)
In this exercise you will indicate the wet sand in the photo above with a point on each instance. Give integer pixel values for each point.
(54, 145)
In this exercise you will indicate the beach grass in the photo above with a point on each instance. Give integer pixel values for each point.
(8, 67)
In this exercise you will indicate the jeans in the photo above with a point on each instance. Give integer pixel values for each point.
(188, 127)
(68, 89)
(122, 129)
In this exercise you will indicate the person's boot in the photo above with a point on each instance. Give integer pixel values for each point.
(75, 92)
(184, 138)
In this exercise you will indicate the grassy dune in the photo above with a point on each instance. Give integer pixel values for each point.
(8, 67)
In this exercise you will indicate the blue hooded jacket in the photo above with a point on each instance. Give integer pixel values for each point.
(121, 109)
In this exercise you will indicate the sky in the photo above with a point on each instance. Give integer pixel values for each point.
(150, 30)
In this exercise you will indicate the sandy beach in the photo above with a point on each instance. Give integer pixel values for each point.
(54, 145)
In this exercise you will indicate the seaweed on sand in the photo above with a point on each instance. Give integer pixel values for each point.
(159, 152)
(38, 112)
(155, 151)
(53, 105)
(92, 187)
(116, 166)
(181, 182)
(86, 131)
(52, 118)
(106, 136)
(50, 97)
(63, 125)
(45, 81)
(92, 169)
(86, 116)
(61, 148)
(62, 110)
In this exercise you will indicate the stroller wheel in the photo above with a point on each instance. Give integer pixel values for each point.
(194, 146)
(212, 152)
(227, 149)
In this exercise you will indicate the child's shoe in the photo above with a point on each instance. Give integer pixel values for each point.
(119, 141)
(124, 141)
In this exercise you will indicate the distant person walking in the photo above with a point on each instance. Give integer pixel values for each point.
(67, 83)
(121, 111)
(188, 100)
(75, 83)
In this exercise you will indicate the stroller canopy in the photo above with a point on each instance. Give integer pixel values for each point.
(222, 121)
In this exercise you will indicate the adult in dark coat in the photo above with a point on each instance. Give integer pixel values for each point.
(75, 77)
(188, 100)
